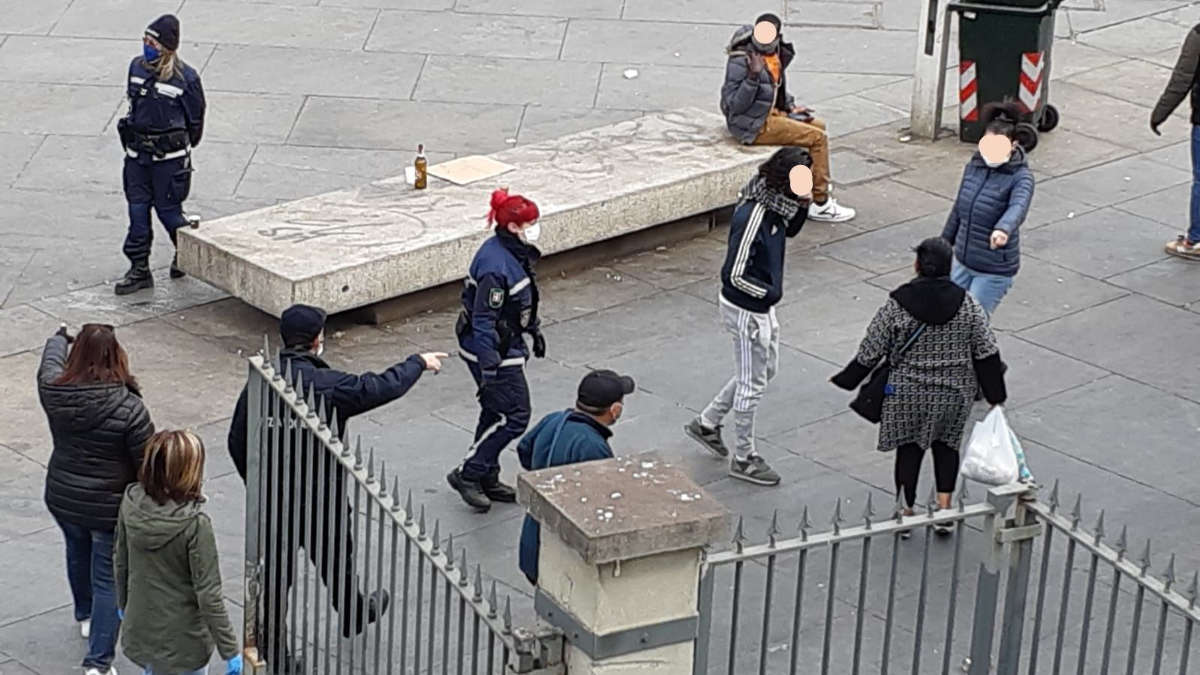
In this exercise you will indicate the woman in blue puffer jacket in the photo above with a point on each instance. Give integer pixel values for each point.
(984, 225)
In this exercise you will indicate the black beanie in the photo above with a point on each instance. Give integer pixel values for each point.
(770, 17)
(165, 29)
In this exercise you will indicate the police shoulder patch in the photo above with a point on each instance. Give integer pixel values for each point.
(496, 298)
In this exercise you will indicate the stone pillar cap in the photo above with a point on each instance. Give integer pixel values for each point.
(622, 508)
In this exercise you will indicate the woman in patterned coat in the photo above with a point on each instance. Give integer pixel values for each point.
(933, 383)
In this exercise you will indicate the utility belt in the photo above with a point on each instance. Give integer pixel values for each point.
(462, 329)
(160, 146)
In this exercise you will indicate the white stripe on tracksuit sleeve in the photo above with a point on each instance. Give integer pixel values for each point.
(737, 274)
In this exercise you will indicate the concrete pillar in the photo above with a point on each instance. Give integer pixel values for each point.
(619, 566)
(929, 70)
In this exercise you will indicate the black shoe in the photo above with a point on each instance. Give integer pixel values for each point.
(497, 491)
(137, 278)
(471, 491)
(377, 605)
(176, 273)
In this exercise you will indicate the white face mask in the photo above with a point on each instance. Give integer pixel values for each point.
(531, 233)
(993, 165)
(321, 345)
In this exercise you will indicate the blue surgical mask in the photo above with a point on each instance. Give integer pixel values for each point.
(149, 53)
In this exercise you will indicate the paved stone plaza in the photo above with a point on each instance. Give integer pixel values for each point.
(307, 96)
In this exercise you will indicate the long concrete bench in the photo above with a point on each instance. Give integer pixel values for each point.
(351, 248)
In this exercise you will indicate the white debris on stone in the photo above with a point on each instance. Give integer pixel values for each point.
(1071, 214)
(583, 500)
(630, 73)
(615, 495)
(647, 465)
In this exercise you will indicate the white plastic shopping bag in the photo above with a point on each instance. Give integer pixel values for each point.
(991, 458)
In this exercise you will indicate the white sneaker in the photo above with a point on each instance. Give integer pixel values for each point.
(85, 628)
(95, 671)
(830, 212)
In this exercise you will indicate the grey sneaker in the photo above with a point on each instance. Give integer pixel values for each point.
(709, 438)
(753, 469)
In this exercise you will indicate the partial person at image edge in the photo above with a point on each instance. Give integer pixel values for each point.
(759, 110)
(1184, 82)
(985, 220)
(568, 437)
(167, 570)
(99, 427)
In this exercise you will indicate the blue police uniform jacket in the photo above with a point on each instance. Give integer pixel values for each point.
(499, 302)
(157, 107)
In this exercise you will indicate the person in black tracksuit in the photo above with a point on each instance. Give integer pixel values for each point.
(346, 395)
(767, 214)
(500, 305)
(165, 121)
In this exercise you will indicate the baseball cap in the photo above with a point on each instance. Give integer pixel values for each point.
(301, 324)
(602, 388)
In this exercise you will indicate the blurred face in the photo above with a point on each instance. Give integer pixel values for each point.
(800, 180)
(996, 149)
(765, 32)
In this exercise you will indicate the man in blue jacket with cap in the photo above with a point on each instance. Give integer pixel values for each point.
(569, 437)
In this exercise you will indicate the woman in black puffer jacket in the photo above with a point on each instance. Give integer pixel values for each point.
(99, 428)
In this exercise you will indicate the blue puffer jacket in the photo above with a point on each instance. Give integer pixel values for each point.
(746, 97)
(990, 199)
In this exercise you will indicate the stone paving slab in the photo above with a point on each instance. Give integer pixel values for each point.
(583, 9)
(117, 19)
(36, 108)
(467, 79)
(1099, 335)
(666, 44)
(468, 34)
(655, 86)
(293, 172)
(1118, 236)
(318, 72)
(278, 25)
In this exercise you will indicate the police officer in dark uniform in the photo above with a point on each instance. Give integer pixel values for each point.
(500, 303)
(165, 121)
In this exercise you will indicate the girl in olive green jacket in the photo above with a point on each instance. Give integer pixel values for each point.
(165, 562)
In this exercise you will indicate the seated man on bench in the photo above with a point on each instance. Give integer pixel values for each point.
(759, 111)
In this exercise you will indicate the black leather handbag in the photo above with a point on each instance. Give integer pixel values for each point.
(869, 401)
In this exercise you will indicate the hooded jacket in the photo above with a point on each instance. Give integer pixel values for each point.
(564, 437)
(1183, 82)
(174, 610)
(932, 301)
(747, 97)
(990, 199)
(98, 432)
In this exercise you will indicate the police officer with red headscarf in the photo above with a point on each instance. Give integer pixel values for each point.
(500, 306)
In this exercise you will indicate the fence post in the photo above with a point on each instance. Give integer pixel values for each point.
(999, 532)
(256, 386)
(619, 563)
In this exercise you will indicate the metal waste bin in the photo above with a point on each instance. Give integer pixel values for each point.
(1004, 55)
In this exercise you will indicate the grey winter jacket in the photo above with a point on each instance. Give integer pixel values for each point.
(746, 97)
(990, 199)
(168, 582)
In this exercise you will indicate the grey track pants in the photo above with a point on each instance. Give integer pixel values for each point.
(756, 356)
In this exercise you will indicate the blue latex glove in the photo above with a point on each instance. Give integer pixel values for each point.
(120, 614)
(234, 666)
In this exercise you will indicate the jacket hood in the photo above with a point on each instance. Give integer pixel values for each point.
(150, 525)
(934, 301)
(80, 407)
(1015, 162)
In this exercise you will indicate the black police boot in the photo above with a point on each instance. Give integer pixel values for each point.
(377, 605)
(497, 491)
(471, 491)
(137, 278)
(176, 273)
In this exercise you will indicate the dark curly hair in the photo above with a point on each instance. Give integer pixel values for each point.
(776, 170)
(934, 256)
(1001, 118)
